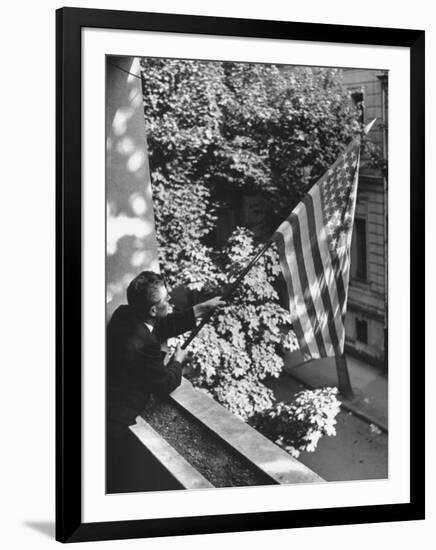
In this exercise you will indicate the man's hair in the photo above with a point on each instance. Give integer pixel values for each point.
(144, 291)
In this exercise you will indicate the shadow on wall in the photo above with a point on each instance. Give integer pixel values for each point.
(130, 238)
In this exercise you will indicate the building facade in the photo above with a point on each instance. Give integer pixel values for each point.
(366, 321)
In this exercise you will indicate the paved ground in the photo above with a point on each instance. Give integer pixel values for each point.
(360, 448)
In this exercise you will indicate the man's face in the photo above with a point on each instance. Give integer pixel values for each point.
(163, 307)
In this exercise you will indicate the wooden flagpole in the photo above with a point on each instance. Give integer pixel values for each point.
(229, 291)
(344, 383)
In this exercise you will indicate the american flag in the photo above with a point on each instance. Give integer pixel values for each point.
(314, 247)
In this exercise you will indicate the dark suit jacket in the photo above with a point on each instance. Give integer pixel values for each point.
(135, 363)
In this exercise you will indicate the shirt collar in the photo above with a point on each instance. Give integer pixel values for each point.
(150, 327)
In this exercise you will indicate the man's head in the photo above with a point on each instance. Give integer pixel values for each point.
(148, 296)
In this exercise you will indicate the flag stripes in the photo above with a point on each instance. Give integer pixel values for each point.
(298, 296)
(307, 289)
(330, 303)
(296, 323)
(314, 247)
(331, 289)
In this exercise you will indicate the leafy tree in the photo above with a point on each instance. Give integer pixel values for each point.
(217, 131)
(284, 127)
(298, 426)
(243, 343)
(182, 124)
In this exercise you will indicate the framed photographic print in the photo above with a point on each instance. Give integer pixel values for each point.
(240, 257)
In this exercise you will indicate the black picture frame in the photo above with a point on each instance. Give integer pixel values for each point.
(69, 22)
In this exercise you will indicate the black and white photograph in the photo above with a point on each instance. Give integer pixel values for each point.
(246, 274)
(240, 249)
(218, 275)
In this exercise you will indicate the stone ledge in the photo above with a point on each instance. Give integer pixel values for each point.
(168, 457)
(245, 440)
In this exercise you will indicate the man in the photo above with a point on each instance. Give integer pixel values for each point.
(135, 369)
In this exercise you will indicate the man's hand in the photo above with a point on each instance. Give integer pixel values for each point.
(180, 354)
(200, 310)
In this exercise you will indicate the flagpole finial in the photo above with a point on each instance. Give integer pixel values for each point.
(369, 126)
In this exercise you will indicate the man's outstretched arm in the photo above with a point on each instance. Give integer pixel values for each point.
(181, 321)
